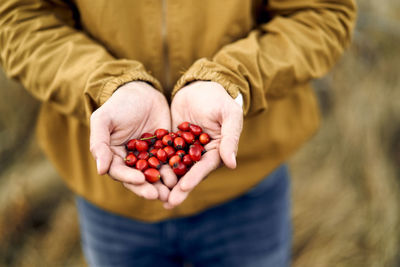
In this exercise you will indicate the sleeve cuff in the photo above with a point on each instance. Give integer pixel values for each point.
(205, 70)
(111, 86)
(111, 75)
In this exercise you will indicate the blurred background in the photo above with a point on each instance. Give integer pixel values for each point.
(346, 207)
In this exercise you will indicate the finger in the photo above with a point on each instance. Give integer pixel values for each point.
(209, 162)
(168, 176)
(196, 174)
(119, 151)
(176, 197)
(163, 191)
(231, 128)
(145, 190)
(121, 172)
(168, 206)
(100, 142)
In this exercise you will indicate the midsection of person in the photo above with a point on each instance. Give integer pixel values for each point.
(134, 30)
(153, 32)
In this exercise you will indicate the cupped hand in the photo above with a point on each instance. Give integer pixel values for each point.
(208, 105)
(133, 109)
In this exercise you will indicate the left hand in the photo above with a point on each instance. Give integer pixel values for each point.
(208, 105)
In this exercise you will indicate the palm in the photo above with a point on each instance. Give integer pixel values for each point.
(208, 105)
(131, 111)
(136, 116)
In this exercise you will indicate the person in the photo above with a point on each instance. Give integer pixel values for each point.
(107, 71)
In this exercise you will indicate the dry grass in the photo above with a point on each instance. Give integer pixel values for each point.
(345, 180)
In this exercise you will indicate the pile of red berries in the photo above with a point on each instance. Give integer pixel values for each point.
(181, 150)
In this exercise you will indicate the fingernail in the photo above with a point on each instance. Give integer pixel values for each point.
(167, 206)
(233, 158)
(98, 165)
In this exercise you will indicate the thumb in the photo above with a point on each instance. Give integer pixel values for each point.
(100, 143)
(231, 128)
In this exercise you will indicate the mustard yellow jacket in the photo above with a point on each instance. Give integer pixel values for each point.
(72, 55)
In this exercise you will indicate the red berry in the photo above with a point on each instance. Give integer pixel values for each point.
(144, 155)
(158, 144)
(196, 142)
(184, 126)
(142, 164)
(175, 159)
(173, 135)
(180, 169)
(179, 133)
(180, 153)
(195, 129)
(179, 143)
(130, 159)
(202, 149)
(131, 144)
(170, 151)
(141, 145)
(194, 153)
(187, 160)
(154, 163)
(152, 175)
(162, 155)
(189, 137)
(149, 138)
(159, 133)
(153, 152)
(167, 140)
(204, 138)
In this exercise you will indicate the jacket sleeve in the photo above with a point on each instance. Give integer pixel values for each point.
(40, 47)
(301, 41)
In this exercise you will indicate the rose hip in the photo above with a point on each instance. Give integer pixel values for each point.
(195, 129)
(144, 155)
(162, 155)
(180, 169)
(188, 137)
(167, 140)
(158, 144)
(142, 164)
(184, 126)
(202, 149)
(204, 138)
(194, 153)
(173, 135)
(180, 149)
(130, 159)
(187, 160)
(141, 145)
(131, 145)
(175, 159)
(180, 153)
(170, 151)
(179, 143)
(159, 133)
(152, 175)
(154, 163)
(153, 152)
(149, 138)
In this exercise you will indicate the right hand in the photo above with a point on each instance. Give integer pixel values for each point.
(133, 109)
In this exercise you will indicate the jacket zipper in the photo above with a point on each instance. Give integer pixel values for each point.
(166, 65)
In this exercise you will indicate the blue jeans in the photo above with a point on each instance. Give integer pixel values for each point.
(251, 230)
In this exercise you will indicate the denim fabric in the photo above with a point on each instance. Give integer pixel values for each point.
(251, 230)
